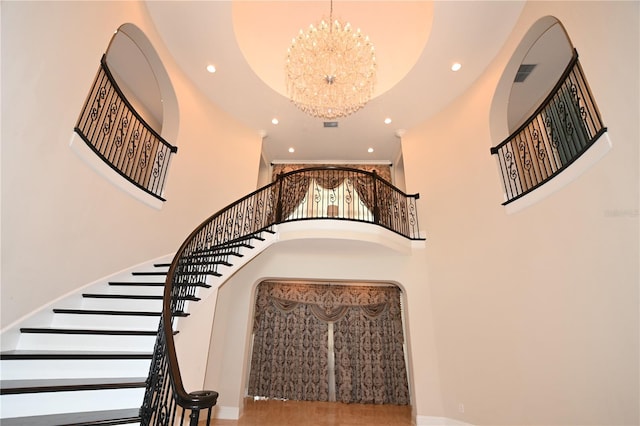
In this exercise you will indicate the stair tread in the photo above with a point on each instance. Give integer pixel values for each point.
(104, 312)
(150, 273)
(12, 387)
(108, 417)
(75, 355)
(136, 283)
(122, 296)
(52, 330)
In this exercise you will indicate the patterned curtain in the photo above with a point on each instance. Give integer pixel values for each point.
(370, 366)
(291, 343)
(289, 357)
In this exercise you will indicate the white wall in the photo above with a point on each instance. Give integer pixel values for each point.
(330, 260)
(536, 313)
(63, 225)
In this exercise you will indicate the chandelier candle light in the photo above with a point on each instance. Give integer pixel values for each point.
(330, 69)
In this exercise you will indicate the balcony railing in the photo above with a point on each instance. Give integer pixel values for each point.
(113, 129)
(317, 193)
(562, 128)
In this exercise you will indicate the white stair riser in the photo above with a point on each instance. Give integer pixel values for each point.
(121, 304)
(73, 369)
(128, 289)
(105, 322)
(35, 404)
(85, 342)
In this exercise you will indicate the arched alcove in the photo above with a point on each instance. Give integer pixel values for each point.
(137, 79)
(538, 73)
(513, 101)
(545, 124)
(141, 75)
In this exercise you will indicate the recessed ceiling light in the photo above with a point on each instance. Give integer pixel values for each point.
(211, 68)
(275, 121)
(456, 66)
(387, 120)
(292, 150)
(370, 150)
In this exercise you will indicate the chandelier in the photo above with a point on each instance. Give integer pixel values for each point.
(330, 69)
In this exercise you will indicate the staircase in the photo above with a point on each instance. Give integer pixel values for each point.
(85, 361)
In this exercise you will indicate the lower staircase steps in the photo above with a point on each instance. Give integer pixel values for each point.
(87, 364)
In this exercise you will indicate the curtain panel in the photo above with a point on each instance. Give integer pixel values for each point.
(295, 326)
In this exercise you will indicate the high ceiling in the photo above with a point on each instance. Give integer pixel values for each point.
(416, 44)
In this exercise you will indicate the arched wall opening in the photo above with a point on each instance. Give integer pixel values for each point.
(544, 121)
(513, 102)
(141, 75)
(144, 83)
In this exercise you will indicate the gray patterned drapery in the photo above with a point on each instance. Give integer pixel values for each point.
(292, 343)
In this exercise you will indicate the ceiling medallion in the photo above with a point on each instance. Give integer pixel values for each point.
(330, 69)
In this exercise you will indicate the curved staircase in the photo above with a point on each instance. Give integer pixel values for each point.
(85, 360)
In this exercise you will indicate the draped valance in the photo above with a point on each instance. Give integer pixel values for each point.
(328, 302)
(295, 187)
(382, 170)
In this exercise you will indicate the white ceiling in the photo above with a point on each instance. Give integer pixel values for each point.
(416, 43)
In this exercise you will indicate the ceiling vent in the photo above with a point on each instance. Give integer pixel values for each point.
(523, 72)
(330, 124)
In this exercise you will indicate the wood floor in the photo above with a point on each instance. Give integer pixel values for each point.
(303, 413)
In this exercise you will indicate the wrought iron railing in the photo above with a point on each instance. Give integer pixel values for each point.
(298, 195)
(348, 194)
(113, 129)
(561, 129)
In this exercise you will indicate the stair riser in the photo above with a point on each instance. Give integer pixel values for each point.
(122, 304)
(120, 322)
(84, 342)
(35, 404)
(72, 369)
(155, 290)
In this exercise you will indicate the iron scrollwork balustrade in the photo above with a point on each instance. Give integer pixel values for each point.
(561, 129)
(113, 129)
(315, 193)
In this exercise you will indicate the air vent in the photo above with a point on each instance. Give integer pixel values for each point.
(523, 72)
(330, 124)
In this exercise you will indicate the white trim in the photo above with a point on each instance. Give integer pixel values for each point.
(79, 146)
(591, 156)
(439, 421)
(226, 413)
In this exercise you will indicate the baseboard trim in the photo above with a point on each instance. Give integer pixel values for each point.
(226, 413)
(439, 421)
